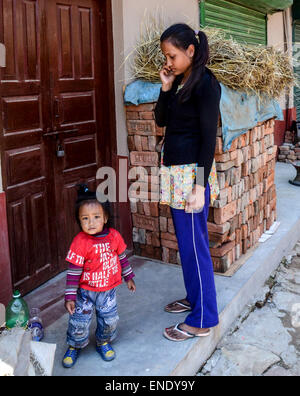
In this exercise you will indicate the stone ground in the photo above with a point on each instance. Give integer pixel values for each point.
(265, 339)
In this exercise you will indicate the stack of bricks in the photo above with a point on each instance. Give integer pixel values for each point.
(143, 139)
(246, 206)
(289, 137)
(244, 210)
(289, 152)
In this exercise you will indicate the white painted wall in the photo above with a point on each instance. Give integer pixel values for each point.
(127, 18)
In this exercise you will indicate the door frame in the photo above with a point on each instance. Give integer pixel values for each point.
(121, 211)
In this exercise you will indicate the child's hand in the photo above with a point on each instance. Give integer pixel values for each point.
(131, 285)
(70, 306)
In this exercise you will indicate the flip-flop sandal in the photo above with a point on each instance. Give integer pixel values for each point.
(187, 334)
(185, 307)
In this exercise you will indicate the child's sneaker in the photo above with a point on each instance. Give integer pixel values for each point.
(106, 351)
(70, 357)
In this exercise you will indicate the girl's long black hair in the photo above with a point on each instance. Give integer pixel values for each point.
(85, 196)
(182, 36)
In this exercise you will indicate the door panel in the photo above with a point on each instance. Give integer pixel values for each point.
(75, 102)
(49, 99)
(24, 157)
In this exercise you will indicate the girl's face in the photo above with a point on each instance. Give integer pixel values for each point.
(178, 61)
(92, 218)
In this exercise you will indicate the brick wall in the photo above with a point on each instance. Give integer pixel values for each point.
(244, 210)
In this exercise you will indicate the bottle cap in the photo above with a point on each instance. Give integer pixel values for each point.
(16, 294)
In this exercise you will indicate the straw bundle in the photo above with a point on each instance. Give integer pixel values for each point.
(252, 69)
(264, 71)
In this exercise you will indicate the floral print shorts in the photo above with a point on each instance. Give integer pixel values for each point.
(177, 181)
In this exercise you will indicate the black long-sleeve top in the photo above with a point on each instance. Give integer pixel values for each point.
(191, 127)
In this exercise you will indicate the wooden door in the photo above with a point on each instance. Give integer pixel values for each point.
(51, 100)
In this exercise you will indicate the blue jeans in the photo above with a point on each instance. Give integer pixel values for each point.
(105, 304)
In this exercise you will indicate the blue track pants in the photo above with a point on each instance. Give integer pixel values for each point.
(192, 237)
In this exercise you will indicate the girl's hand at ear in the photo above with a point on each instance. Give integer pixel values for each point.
(167, 78)
(131, 285)
(70, 306)
(195, 200)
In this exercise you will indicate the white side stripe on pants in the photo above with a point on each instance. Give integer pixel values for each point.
(198, 267)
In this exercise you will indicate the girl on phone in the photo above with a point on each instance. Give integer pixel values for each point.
(188, 106)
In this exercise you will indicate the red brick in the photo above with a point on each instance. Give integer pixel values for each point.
(155, 239)
(150, 251)
(163, 223)
(165, 210)
(132, 115)
(173, 256)
(138, 142)
(145, 222)
(168, 236)
(219, 146)
(169, 244)
(144, 158)
(144, 141)
(130, 143)
(171, 228)
(244, 231)
(146, 115)
(152, 142)
(154, 211)
(217, 239)
(165, 254)
(245, 169)
(269, 181)
(221, 251)
(221, 215)
(233, 146)
(218, 228)
(141, 127)
(238, 235)
(222, 264)
(141, 107)
(146, 207)
(222, 157)
(233, 155)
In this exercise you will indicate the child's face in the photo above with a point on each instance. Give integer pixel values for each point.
(92, 218)
(178, 61)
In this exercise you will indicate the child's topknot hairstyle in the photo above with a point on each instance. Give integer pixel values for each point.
(85, 196)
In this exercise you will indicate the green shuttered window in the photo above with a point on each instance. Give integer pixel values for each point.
(242, 23)
(266, 6)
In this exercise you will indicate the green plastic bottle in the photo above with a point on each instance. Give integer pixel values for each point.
(17, 312)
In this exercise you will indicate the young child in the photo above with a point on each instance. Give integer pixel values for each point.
(97, 263)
